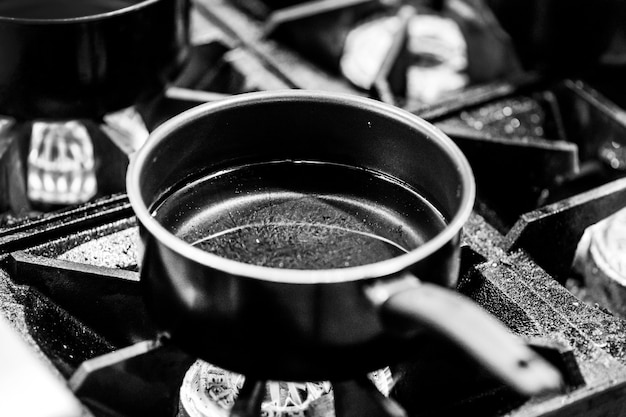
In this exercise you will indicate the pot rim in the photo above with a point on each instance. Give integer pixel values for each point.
(81, 19)
(388, 267)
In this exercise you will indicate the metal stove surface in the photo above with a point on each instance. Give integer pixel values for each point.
(69, 283)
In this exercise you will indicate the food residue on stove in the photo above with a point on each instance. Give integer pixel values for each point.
(117, 250)
(520, 117)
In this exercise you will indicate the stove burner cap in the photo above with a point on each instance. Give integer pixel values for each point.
(61, 163)
(210, 391)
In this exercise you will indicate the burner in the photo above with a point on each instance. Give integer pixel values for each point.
(601, 263)
(208, 391)
(66, 162)
(60, 164)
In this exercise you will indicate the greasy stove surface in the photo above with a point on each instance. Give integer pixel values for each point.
(86, 262)
(69, 281)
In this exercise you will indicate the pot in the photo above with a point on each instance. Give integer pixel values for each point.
(559, 36)
(68, 59)
(241, 204)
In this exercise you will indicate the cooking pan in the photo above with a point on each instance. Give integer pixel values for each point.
(68, 58)
(300, 235)
(562, 36)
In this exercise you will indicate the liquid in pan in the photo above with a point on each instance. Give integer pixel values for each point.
(300, 215)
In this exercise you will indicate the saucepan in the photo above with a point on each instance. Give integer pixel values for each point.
(66, 58)
(303, 235)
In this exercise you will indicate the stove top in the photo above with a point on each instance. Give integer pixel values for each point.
(547, 155)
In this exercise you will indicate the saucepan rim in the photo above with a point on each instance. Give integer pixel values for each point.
(81, 19)
(388, 267)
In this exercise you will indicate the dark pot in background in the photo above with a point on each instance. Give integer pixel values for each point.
(563, 36)
(63, 59)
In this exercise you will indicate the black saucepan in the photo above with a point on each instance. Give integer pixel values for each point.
(283, 233)
(70, 58)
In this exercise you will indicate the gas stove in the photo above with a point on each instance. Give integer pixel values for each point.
(547, 155)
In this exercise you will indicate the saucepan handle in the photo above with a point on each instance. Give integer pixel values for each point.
(406, 303)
